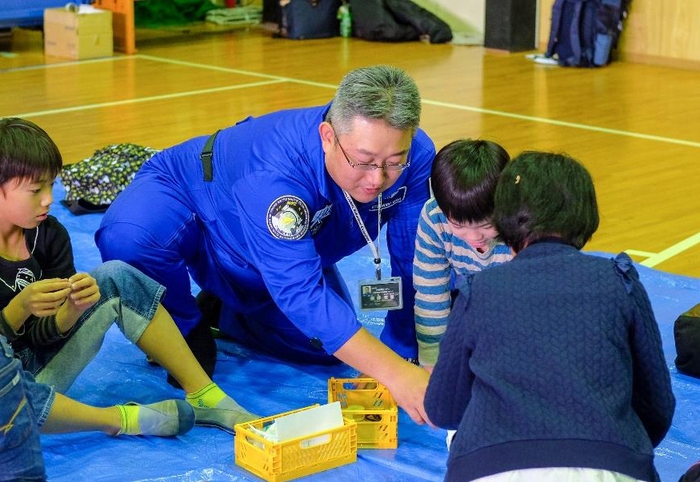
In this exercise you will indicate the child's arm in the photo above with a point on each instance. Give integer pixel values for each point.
(652, 397)
(54, 251)
(450, 385)
(42, 298)
(84, 293)
(431, 280)
(50, 244)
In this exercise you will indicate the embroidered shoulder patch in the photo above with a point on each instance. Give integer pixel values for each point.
(288, 218)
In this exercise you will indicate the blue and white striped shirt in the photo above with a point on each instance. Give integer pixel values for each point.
(439, 259)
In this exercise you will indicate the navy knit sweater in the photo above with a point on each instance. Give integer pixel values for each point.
(552, 360)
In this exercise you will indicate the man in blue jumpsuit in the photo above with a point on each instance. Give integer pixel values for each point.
(261, 220)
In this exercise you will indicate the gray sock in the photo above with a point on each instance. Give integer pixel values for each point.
(162, 419)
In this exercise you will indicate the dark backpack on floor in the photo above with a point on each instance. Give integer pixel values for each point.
(373, 21)
(397, 21)
(692, 474)
(585, 33)
(686, 333)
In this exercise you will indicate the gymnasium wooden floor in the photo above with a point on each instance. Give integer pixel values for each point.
(636, 127)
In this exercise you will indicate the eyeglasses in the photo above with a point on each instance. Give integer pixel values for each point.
(387, 166)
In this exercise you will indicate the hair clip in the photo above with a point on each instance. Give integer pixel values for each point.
(517, 179)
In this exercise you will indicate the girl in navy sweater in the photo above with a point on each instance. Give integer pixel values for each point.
(552, 366)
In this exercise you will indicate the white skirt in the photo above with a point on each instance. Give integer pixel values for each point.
(558, 475)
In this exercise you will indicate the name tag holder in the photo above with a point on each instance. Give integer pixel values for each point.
(384, 294)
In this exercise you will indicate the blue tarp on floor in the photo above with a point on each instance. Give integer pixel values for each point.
(120, 373)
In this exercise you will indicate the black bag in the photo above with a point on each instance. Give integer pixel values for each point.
(372, 21)
(686, 332)
(397, 21)
(307, 19)
(426, 23)
(585, 33)
(692, 474)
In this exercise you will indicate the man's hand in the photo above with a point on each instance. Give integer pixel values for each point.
(406, 381)
(408, 389)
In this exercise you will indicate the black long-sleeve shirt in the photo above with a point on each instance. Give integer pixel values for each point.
(51, 256)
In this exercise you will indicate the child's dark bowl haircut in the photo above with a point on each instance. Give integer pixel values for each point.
(464, 177)
(26, 152)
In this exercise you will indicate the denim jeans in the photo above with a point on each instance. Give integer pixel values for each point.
(21, 399)
(127, 297)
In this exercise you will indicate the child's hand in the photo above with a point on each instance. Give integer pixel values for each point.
(44, 297)
(84, 292)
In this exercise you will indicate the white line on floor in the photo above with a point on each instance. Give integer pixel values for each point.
(672, 251)
(279, 79)
(634, 252)
(146, 99)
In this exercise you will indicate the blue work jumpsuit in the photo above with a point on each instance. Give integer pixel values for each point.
(280, 288)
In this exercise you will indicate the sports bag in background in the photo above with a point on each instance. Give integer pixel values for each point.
(94, 183)
(585, 33)
(397, 21)
(428, 25)
(307, 19)
(373, 21)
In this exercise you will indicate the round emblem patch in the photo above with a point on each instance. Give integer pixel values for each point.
(288, 218)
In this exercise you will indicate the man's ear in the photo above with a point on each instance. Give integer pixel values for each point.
(325, 130)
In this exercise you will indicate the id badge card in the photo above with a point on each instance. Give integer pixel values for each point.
(384, 294)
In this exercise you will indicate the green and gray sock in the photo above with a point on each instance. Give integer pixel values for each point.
(213, 408)
(162, 419)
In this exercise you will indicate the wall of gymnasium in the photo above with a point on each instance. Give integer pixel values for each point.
(661, 32)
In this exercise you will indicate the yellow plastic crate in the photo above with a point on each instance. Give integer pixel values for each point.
(371, 406)
(276, 462)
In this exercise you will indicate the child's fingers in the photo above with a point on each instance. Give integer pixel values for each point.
(81, 280)
(45, 312)
(46, 308)
(53, 285)
(86, 301)
(85, 295)
(78, 277)
(51, 297)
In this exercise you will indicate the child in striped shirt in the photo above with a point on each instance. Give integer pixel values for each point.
(455, 234)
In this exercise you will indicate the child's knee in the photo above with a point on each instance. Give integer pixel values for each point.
(114, 276)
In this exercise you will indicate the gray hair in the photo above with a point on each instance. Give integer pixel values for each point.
(377, 92)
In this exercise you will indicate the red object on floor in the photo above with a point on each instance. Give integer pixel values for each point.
(230, 3)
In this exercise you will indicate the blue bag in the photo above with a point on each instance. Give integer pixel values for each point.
(585, 33)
